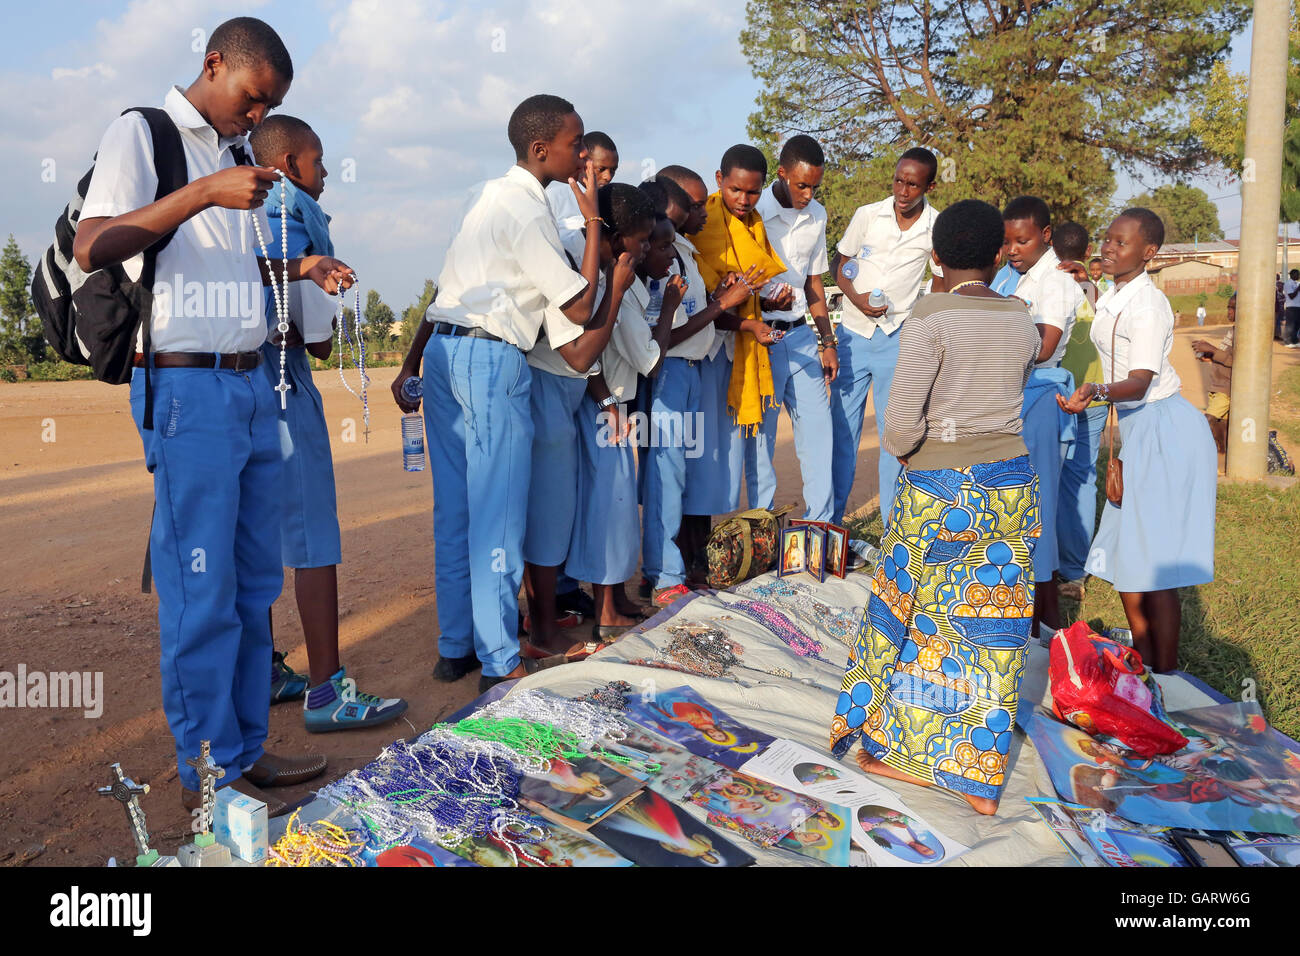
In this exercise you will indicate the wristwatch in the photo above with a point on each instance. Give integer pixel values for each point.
(607, 402)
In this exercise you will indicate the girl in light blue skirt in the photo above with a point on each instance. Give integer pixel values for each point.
(1160, 536)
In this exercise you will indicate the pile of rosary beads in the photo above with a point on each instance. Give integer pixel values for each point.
(442, 793)
(613, 696)
(316, 844)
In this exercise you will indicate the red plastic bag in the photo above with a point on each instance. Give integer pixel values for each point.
(1103, 688)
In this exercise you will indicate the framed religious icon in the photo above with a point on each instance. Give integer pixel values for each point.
(794, 546)
(837, 551)
(815, 551)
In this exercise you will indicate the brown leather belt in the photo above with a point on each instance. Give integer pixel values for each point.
(236, 361)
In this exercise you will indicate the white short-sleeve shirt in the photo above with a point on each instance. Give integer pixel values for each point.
(632, 350)
(799, 238)
(1143, 325)
(886, 258)
(506, 265)
(1054, 299)
(717, 338)
(207, 294)
(694, 299)
(542, 355)
(564, 206)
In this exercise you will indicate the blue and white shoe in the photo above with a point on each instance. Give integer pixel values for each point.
(336, 705)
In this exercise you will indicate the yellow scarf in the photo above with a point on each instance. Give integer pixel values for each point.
(728, 244)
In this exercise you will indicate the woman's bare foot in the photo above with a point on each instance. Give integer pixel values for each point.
(982, 805)
(870, 764)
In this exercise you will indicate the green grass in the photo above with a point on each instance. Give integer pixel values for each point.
(1243, 625)
(1216, 308)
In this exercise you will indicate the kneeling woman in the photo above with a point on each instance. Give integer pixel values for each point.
(932, 684)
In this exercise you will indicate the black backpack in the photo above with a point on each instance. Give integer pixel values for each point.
(92, 319)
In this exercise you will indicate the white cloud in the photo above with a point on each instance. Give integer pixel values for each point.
(409, 92)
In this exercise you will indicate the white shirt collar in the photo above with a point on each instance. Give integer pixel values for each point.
(885, 210)
(685, 244)
(526, 179)
(186, 116)
(770, 207)
(1114, 301)
(1043, 266)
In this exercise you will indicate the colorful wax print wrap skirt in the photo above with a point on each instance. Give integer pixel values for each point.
(933, 680)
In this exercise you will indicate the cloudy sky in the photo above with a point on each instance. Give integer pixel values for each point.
(413, 95)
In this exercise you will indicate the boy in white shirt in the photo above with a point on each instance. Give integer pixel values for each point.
(504, 278)
(212, 445)
(804, 364)
(886, 247)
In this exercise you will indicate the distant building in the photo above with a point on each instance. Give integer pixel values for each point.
(1184, 276)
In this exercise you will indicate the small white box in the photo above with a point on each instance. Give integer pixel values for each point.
(239, 822)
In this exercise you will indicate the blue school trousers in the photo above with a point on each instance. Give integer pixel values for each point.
(798, 384)
(713, 477)
(865, 364)
(1076, 515)
(674, 407)
(479, 426)
(214, 453)
(553, 487)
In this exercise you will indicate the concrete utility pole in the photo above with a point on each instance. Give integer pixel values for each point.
(1261, 194)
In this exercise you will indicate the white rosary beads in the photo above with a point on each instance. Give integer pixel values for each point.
(358, 353)
(280, 291)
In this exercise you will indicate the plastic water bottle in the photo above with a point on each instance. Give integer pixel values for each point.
(413, 427)
(877, 299)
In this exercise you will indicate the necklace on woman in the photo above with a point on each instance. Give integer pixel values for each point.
(962, 285)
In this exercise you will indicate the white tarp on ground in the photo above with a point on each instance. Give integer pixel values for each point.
(800, 707)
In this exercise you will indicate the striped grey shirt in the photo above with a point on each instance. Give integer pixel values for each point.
(960, 381)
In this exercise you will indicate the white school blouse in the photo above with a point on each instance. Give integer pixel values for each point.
(632, 350)
(506, 265)
(694, 299)
(1143, 324)
(1054, 299)
(207, 284)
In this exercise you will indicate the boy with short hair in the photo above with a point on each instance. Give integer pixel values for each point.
(309, 526)
(505, 277)
(886, 246)
(212, 446)
(1053, 298)
(804, 364)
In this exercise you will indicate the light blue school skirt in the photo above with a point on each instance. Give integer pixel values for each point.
(607, 527)
(552, 491)
(309, 523)
(1162, 535)
(713, 479)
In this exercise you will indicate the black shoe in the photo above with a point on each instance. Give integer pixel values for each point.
(452, 669)
(576, 601)
(486, 683)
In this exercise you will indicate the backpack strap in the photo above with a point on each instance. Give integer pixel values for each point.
(173, 173)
